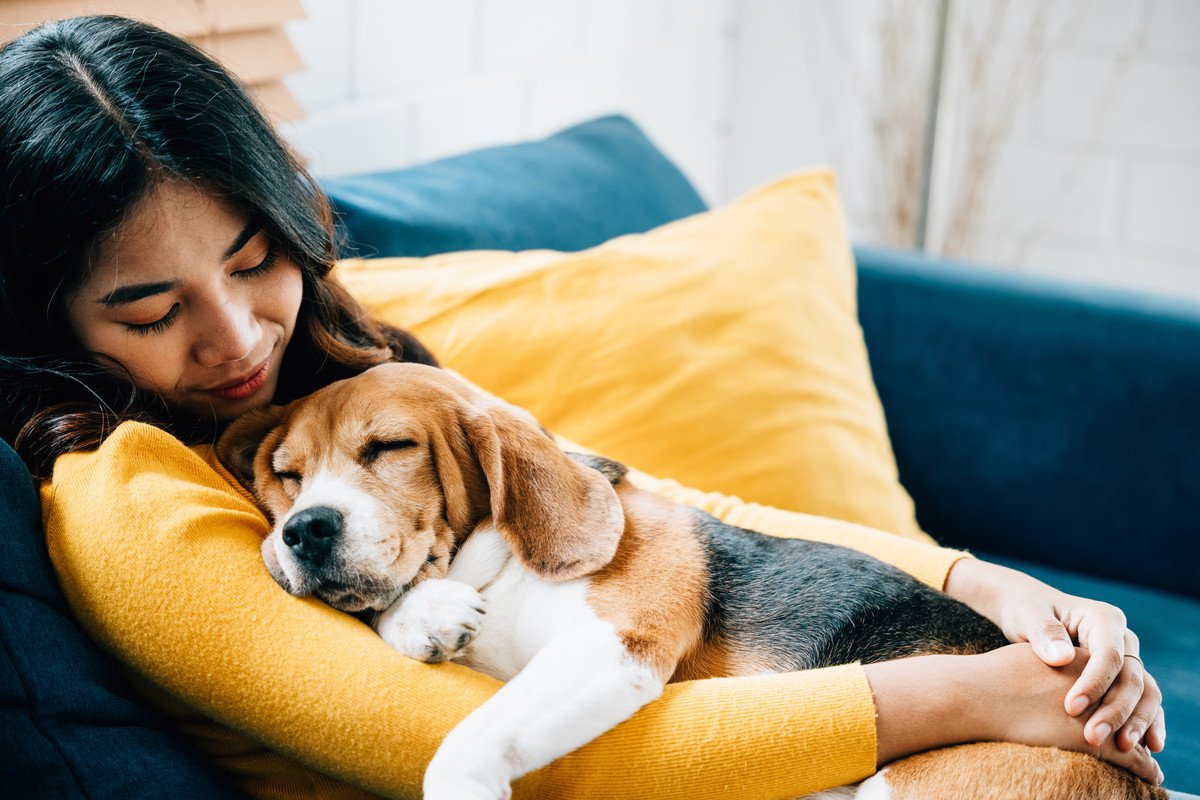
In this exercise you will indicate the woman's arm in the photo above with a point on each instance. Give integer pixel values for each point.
(1114, 693)
(159, 558)
(1007, 695)
(1024, 608)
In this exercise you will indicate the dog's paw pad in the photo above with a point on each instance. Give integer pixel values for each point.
(436, 621)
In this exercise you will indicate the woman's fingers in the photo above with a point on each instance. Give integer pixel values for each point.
(1139, 761)
(1020, 698)
(1105, 638)
(1156, 738)
(1144, 714)
(1051, 642)
(1130, 706)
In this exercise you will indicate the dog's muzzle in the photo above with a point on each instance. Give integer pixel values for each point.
(311, 533)
(314, 539)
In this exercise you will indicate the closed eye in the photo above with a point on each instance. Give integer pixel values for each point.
(264, 266)
(144, 329)
(377, 447)
(288, 476)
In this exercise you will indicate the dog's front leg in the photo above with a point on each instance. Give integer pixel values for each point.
(434, 621)
(574, 689)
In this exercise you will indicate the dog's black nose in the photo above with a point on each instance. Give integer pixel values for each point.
(310, 533)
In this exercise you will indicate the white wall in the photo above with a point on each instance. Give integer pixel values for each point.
(1070, 138)
(1070, 129)
(395, 82)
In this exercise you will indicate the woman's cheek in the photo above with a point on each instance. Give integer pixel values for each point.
(159, 366)
(147, 361)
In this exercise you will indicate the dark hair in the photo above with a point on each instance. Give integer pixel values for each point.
(95, 112)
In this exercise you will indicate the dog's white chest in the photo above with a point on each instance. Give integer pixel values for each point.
(568, 676)
(523, 611)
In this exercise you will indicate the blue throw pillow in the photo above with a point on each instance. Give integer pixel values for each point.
(571, 191)
(69, 725)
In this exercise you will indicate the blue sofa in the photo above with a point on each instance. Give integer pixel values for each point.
(1056, 429)
(1049, 427)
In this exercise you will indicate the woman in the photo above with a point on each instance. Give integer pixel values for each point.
(164, 260)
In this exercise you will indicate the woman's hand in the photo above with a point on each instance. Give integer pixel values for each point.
(1006, 695)
(1113, 693)
(1024, 706)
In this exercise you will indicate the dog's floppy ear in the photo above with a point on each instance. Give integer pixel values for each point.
(560, 518)
(464, 486)
(238, 446)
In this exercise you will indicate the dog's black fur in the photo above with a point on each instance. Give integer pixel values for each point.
(796, 604)
(799, 604)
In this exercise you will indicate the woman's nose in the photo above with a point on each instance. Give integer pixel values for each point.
(230, 333)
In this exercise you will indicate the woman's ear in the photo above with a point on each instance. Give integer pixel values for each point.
(563, 520)
(238, 446)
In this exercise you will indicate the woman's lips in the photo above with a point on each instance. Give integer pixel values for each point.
(247, 387)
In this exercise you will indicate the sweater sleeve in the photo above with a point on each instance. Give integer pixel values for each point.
(158, 555)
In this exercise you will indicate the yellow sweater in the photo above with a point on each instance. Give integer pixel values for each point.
(157, 549)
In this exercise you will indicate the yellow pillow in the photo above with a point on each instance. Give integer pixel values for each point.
(722, 350)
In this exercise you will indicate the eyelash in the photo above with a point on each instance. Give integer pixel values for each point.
(262, 268)
(155, 327)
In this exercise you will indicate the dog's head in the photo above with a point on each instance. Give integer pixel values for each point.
(372, 482)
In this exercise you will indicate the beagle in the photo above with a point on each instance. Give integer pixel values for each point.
(410, 496)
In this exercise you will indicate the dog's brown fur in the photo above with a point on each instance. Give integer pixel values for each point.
(1004, 771)
(562, 520)
(475, 457)
(658, 626)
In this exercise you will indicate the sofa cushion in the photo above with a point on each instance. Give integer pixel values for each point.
(69, 726)
(720, 350)
(1168, 628)
(575, 189)
(1045, 421)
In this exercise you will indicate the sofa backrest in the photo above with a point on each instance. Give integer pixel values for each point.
(1046, 421)
(570, 191)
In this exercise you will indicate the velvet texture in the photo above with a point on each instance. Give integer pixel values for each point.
(1055, 427)
(722, 350)
(573, 190)
(1030, 419)
(69, 726)
(975, 371)
(1042, 421)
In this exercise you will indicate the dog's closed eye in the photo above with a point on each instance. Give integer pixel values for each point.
(287, 477)
(377, 447)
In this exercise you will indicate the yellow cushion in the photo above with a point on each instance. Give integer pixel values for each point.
(722, 350)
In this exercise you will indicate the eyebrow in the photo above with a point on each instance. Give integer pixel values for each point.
(138, 291)
(252, 227)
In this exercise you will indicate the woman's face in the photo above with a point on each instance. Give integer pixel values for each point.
(194, 300)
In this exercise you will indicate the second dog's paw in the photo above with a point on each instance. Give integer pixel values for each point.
(433, 622)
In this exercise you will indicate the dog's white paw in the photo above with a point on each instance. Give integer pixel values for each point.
(450, 778)
(457, 788)
(435, 621)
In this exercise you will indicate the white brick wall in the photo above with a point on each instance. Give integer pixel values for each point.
(395, 82)
(1095, 171)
